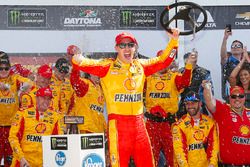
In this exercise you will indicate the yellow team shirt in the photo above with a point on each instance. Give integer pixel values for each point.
(9, 101)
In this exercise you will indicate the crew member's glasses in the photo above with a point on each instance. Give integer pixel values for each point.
(4, 68)
(240, 96)
(236, 45)
(123, 45)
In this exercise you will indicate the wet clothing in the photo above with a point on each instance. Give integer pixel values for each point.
(62, 94)
(5, 148)
(89, 103)
(234, 134)
(162, 98)
(28, 98)
(9, 104)
(195, 141)
(122, 85)
(198, 75)
(26, 131)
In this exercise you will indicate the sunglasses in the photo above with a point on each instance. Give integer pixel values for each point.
(123, 45)
(240, 96)
(236, 46)
(4, 68)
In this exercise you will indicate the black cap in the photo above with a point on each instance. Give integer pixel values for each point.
(4, 58)
(62, 65)
(192, 96)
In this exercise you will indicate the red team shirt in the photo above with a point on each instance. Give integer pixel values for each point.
(234, 134)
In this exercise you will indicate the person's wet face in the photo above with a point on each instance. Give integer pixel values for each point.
(43, 103)
(126, 50)
(42, 81)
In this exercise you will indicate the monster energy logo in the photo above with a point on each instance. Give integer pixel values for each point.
(15, 16)
(85, 142)
(53, 143)
(126, 17)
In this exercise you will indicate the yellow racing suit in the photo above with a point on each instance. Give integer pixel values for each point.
(9, 104)
(162, 98)
(89, 103)
(122, 86)
(195, 143)
(26, 134)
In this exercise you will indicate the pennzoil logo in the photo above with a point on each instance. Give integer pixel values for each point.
(15, 16)
(245, 16)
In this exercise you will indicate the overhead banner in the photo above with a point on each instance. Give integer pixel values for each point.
(219, 16)
(111, 17)
(80, 17)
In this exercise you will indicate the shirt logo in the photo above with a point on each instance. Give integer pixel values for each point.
(40, 128)
(244, 130)
(130, 84)
(159, 85)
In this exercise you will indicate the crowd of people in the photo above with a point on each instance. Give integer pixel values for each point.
(153, 107)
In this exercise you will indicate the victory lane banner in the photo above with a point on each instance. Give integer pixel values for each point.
(80, 17)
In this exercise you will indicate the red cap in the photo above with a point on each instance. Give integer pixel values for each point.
(237, 89)
(45, 71)
(123, 35)
(42, 92)
(73, 49)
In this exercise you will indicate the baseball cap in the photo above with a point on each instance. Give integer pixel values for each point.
(43, 92)
(73, 49)
(192, 96)
(45, 71)
(4, 58)
(62, 65)
(123, 35)
(237, 89)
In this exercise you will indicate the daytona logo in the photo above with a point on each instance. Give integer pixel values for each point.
(82, 21)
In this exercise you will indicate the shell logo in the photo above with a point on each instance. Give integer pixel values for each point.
(130, 84)
(244, 130)
(198, 135)
(40, 128)
(159, 85)
(5, 92)
(100, 99)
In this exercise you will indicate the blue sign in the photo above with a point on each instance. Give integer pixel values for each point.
(93, 160)
(60, 158)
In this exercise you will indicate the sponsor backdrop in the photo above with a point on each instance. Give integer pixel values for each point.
(74, 150)
(110, 18)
